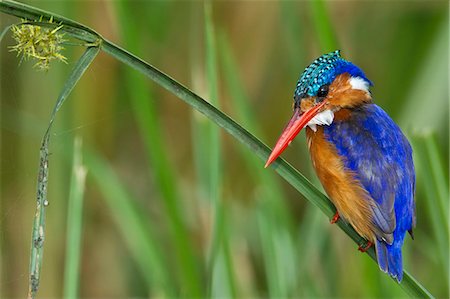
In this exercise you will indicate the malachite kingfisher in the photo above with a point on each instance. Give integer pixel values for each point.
(361, 157)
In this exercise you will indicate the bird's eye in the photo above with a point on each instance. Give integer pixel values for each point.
(323, 91)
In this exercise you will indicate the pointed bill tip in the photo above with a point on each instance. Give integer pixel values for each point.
(277, 150)
(270, 160)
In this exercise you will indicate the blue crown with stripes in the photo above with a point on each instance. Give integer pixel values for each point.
(324, 70)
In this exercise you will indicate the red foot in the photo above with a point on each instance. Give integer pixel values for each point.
(335, 218)
(365, 247)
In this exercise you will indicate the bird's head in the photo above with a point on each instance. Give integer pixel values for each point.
(326, 86)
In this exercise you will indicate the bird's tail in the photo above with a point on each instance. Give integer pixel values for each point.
(390, 258)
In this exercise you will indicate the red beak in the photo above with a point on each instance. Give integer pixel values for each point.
(295, 125)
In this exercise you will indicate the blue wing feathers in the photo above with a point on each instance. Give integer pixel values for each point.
(375, 149)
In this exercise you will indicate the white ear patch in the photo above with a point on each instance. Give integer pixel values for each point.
(359, 83)
(323, 118)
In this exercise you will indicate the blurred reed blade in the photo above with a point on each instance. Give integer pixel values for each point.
(211, 140)
(223, 276)
(279, 252)
(241, 106)
(440, 179)
(324, 29)
(311, 242)
(74, 224)
(219, 263)
(425, 115)
(434, 180)
(162, 170)
(291, 18)
(37, 239)
(273, 217)
(134, 225)
(428, 106)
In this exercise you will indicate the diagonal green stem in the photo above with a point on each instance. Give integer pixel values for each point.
(290, 174)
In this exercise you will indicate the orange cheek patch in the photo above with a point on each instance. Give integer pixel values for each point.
(343, 95)
(352, 98)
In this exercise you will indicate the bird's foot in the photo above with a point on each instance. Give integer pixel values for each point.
(365, 247)
(335, 218)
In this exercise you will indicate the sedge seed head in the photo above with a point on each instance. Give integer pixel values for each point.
(39, 43)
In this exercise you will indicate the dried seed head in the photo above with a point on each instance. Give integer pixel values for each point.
(40, 43)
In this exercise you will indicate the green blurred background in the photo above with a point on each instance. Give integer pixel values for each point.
(174, 207)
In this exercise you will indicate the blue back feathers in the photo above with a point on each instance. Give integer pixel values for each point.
(324, 70)
(372, 146)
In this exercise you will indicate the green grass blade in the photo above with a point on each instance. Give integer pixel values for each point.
(241, 104)
(133, 224)
(309, 228)
(294, 34)
(266, 231)
(82, 65)
(431, 83)
(434, 180)
(74, 224)
(440, 178)
(38, 237)
(223, 278)
(426, 112)
(219, 259)
(213, 137)
(274, 236)
(322, 22)
(38, 231)
(238, 97)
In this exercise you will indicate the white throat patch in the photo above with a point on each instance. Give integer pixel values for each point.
(323, 118)
(359, 83)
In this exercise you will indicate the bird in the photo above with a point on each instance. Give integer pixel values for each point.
(360, 155)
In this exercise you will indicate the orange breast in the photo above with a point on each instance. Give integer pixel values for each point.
(351, 200)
